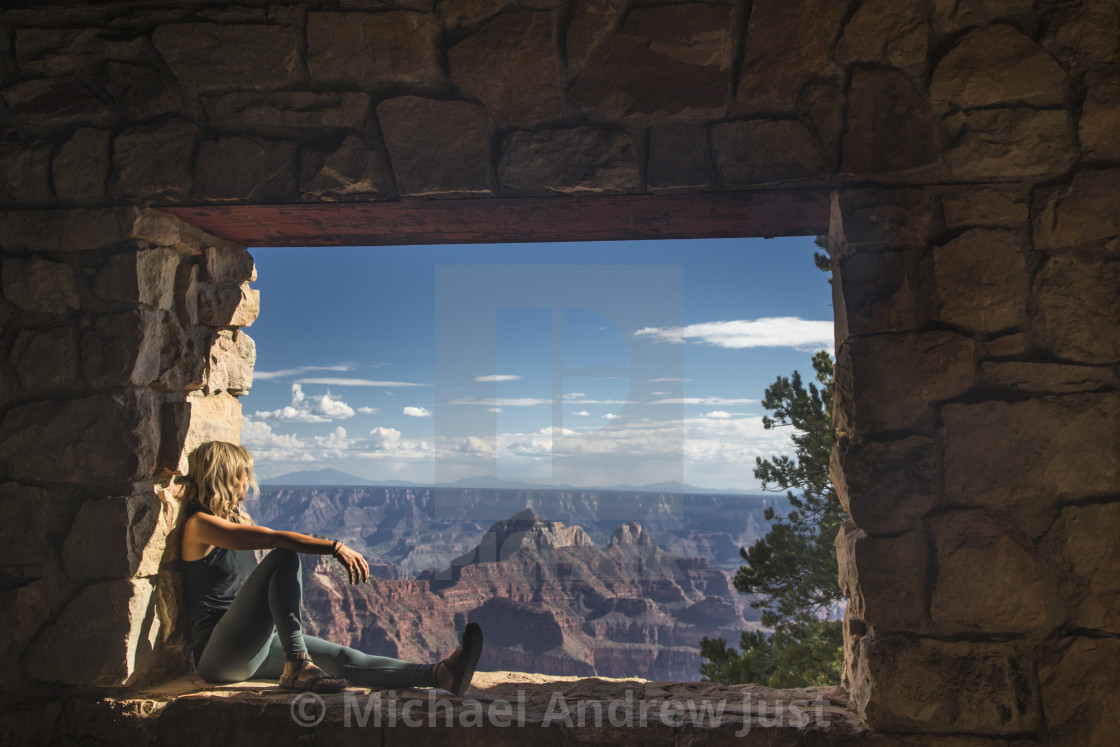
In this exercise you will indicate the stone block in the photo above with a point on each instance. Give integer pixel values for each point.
(374, 49)
(25, 168)
(437, 147)
(24, 545)
(1077, 304)
(679, 159)
(39, 284)
(247, 56)
(985, 206)
(1079, 686)
(886, 485)
(892, 382)
(889, 110)
(103, 438)
(186, 294)
(997, 453)
(182, 361)
(923, 686)
(356, 170)
(141, 92)
(788, 45)
(232, 357)
(228, 305)
(766, 152)
(146, 276)
(100, 638)
(122, 349)
(1048, 378)
(1083, 211)
(581, 160)
(65, 230)
(80, 167)
(289, 113)
(1100, 117)
(1086, 545)
(953, 15)
(57, 52)
(885, 217)
(45, 360)
(876, 292)
(988, 580)
(115, 538)
(981, 278)
(998, 65)
(463, 13)
(592, 21)
(666, 62)
(1083, 36)
(883, 32)
(884, 578)
(55, 102)
(510, 66)
(198, 418)
(247, 170)
(154, 161)
(995, 144)
(228, 264)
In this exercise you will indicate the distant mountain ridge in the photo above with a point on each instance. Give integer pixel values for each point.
(328, 477)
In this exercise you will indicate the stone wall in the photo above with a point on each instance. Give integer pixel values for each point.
(971, 146)
(121, 353)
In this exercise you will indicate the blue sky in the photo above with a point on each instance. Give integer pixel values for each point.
(597, 363)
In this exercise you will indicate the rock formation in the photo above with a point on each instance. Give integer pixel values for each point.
(550, 601)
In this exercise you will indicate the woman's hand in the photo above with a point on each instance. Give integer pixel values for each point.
(354, 563)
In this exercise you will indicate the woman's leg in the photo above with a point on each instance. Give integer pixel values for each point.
(364, 670)
(269, 601)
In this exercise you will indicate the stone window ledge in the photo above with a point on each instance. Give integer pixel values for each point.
(500, 708)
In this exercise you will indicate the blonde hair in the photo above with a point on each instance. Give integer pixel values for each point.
(215, 471)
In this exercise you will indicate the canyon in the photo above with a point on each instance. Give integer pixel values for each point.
(553, 597)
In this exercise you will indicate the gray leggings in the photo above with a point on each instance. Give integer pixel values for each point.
(262, 628)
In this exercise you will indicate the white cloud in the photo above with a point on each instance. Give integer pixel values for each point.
(416, 412)
(259, 436)
(321, 408)
(384, 438)
(357, 382)
(665, 379)
(493, 409)
(574, 395)
(711, 401)
(777, 331)
(497, 377)
(582, 413)
(717, 415)
(500, 402)
(611, 416)
(368, 410)
(267, 375)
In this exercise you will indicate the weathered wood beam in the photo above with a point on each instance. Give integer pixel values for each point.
(478, 221)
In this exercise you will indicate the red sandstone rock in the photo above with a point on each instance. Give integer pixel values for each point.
(572, 161)
(356, 170)
(758, 152)
(80, 168)
(154, 161)
(244, 169)
(998, 65)
(373, 49)
(981, 278)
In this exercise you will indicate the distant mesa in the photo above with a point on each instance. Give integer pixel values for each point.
(318, 478)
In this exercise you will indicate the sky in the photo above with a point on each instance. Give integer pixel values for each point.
(592, 364)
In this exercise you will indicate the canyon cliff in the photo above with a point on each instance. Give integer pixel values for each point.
(549, 599)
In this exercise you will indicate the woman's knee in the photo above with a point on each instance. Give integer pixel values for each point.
(283, 558)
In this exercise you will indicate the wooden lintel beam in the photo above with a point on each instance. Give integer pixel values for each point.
(529, 219)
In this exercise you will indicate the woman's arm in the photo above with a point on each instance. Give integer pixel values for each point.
(207, 529)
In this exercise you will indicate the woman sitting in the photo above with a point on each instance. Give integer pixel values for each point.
(245, 617)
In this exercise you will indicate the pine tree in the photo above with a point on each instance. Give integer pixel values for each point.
(792, 570)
